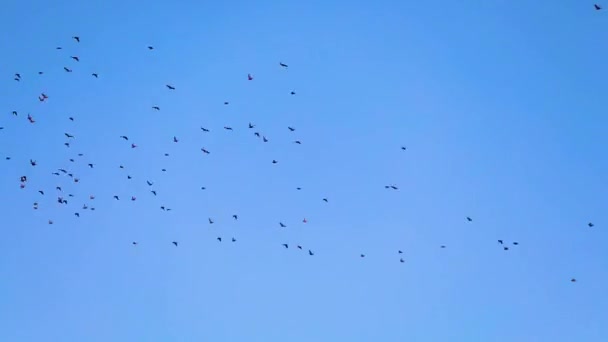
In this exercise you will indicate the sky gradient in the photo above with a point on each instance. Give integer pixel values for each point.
(500, 106)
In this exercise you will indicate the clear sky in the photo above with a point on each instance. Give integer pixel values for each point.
(501, 105)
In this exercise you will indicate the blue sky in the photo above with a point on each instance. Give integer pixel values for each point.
(500, 105)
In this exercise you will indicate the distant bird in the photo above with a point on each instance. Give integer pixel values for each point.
(516, 243)
(282, 225)
(210, 221)
(156, 107)
(228, 128)
(251, 125)
(133, 146)
(403, 148)
(500, 242)
(175, 243)
(264, 139)
(274, 161)
(249, 77)
(149, 183)
(363, 255)
(175, 139)
(469, 219)
(71, 118)
(30, 119)
(204, 129)
(297, 142)
(573, 280)
(226, 103)
(285, 245)
(15, 113)
(170, 87)
(597, 7)
(77, 214)
(283, 64)
(33, 162)
(90, 165)
(401, 260)
(75, 58)
(233, 240)
(299, 247)
(325, 200)
(95, 75)
(291, 129)
(76, 38)
(505, 248)
(310, 252)
(153, 192)
(134, 243)
(219, 239)
(67, 69)
(133, 198)
(590, 225)
(400, 251)
(150, 47)
(41, 192)
(116, 198)
(304, 220)
(293, 92)
(442, 246)
(68, 135)
(205, 151)
(235, 216)
(124, 137)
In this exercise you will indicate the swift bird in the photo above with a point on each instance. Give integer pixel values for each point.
(170, 87)
(156, 107)
(75, 58)
(283, 65)
(597, 7)
(95, 75)
(76, 38)
(249, 77)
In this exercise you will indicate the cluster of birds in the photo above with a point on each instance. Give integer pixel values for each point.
(63, 200)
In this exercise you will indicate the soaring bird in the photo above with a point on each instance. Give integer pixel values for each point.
(124, 137)
(500, 242)
(205, 151)
(156, 107)
(597, 7)
(285, 245)
(283, 64)
(75, 58)
(67, 69)
(282, 225)
(235, 216)
(251, 125)
(291, 129)
(95, 75)
(33, 162)
(150, 47)
(68, 135)
(175, 243)
(204, 129)
(170, 87)
(469, 219)
(292, 92)
(175, 139)
(210, 221)
(310, 252)
(590, 224)
(76, 38)
(249, 77)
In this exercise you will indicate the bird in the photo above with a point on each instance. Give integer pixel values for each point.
(401, 260)
(590, 224)
(285, 245)
(150, 47)
(310, 252)
(403, 148)
(90, 165)
(500, 242)
(68, 135)
(149, 183)
(293, 92)
(469, 219)
(116, 198)
(363, 255)
(175, 139)
(235, 216)
(205, 151)
(153, 192)
(30, 119)
(233, 240)
(264, 139)
(228, 128)
(156, 107)
(251, 125)
(516, 243)
(282, 225)
(71, 118)
(249, 77)
(274, 161)
(283, 64)
(219, 239)
(210, 221)
(67, 69)
(297, 142)
(75, 58)
(76, 38)
(33, 162)
(204, 129)
(291, 128)
(134, 243)
(597, 7)
(170, 87)
(124, 137)
(175, 243)
(95, 75)
(325, 200)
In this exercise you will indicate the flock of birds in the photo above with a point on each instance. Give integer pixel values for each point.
(62, 198)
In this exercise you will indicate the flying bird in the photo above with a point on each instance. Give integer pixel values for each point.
(590, 224)
(76, 38)
(249, 77)
(156, 107)
(597, 7)
(68, 135)
(469, 219)
(285, 245)
(283, 65)
(95, 75)
(170, 87)
(75, 58)
(150, 47)
(67, 69)
(175, 243)
(291, 129)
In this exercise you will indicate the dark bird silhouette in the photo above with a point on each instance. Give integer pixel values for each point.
(325, 200)
(293, 92)
(310, 252)
(15, 113)
(175, 243)
(403, 148)
(257, 134)
(90, 165)
(67, 69)
(33, 162)
(235, 216)
(77, 214)
(170, 87)
(219, 239)
(149, 183)
(156, 107)
(516, 243)
(68, 135)
(95, 75)
(150, 47)
(283, 64)
(75, 58)
(116, 198)
(204, 129)
(210, 221)
(597, 7)
(76, 38)
(285, 245)
(175, 139)
(228, 128)
(573, 280)
(274, 161)
(363, 255)
(134, 243)
(41, 192)
(505, 248)
(226, 103)
(297, 142)
(233, 240)
(205, 151)
(249, 77)
(291, 129)
(590, 225)
(469, 219)
(251, 125)
(401, 260)
(30, 119)
(71, 118)
(500, 242)
(282, 225)
(299, 247)
(124, 137)
(153, 192)
(133, 146)
(264, 139)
